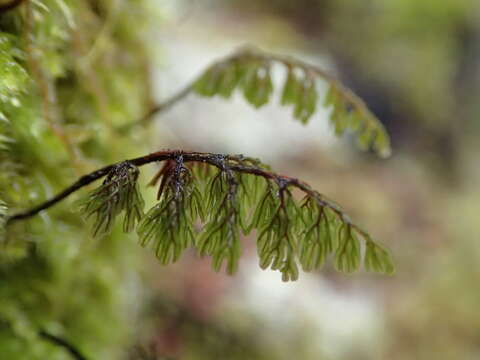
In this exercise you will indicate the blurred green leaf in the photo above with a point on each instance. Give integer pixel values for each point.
(377, 259)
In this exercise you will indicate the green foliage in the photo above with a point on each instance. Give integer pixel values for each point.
(54, 112)
(206, 203)
(13, 77)
(220, 237)
(300, 92)
(346, 116)
(174, 215)
(119, 192)
(377, 259)
(249, 71)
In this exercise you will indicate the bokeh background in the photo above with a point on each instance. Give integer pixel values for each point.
(415, 63)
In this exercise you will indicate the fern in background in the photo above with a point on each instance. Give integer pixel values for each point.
(249, 70)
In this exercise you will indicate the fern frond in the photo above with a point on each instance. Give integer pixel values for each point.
(168, 226)
(249, 70)
(206, 201)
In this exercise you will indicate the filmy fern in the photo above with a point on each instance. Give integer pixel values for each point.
(207, 201)
(249, 70)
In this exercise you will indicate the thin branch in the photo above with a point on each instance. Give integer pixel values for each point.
(83, 181)
(9, 6)
(167, 104)
(72, 350)
(217, 160)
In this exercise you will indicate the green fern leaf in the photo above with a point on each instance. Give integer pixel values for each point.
(118, 193)
(347, 256)
(377, 259)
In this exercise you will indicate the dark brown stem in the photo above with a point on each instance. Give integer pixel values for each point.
(218, 160)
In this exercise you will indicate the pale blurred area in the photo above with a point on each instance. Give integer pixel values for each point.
(417, 65)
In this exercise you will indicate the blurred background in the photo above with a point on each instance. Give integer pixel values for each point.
(417, 66)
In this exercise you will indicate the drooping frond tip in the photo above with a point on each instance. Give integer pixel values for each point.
(207, 201)
(249, 70)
